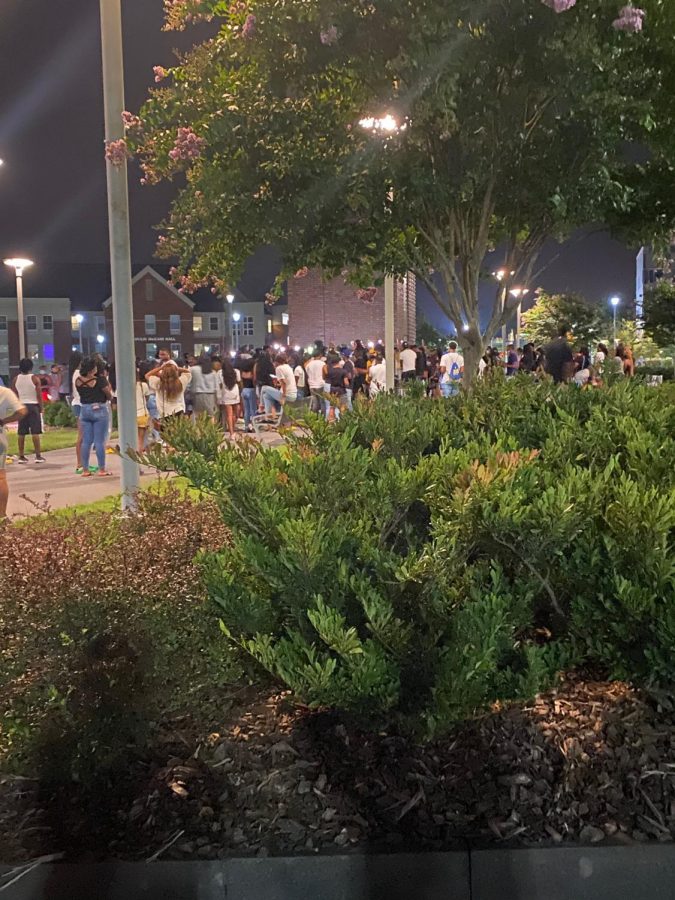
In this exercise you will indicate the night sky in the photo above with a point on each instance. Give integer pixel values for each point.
(52, 186)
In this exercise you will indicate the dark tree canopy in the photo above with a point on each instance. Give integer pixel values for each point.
(512, 126)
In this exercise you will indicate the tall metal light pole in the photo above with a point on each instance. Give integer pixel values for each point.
(518, 293)
(389, 331)
(236, 317)
(229, 343)
(120, 251)
(19, 265)
(615, 302)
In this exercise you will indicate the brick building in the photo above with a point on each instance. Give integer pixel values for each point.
(332, 312)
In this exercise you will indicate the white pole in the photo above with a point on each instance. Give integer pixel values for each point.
(389, 331)
(120, 251)
(519, 313)
(19, 307)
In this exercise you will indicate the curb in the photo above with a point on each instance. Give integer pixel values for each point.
(562, 873)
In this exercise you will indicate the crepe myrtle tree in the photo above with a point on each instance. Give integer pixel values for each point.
(372, 137)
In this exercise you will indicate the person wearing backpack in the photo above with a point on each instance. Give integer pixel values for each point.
(451, 370)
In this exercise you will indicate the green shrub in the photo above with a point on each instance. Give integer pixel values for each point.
(423, 559)
(59, 415)
(103, 629)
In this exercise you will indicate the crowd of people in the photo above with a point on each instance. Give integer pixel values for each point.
(263, 383)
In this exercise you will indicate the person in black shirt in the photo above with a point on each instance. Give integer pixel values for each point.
(263, 373)
(95, 392)
(559, 360)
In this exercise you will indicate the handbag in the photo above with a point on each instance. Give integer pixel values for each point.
(144, 420)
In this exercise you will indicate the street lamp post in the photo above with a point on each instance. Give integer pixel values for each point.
(79, 318)
(229, 342)
(615, 302)
(385, 125)
(19, 265)
(518, 293)
(120, 251)
(236, 317)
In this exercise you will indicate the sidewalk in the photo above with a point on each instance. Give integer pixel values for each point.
(54, 484)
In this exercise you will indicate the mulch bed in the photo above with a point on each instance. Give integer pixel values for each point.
(588, 762)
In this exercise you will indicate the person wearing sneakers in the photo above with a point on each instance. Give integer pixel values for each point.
(11, 409)
(95, 393)
(28, 389)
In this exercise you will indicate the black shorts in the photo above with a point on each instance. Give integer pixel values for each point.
(410, 375)
(32, 421)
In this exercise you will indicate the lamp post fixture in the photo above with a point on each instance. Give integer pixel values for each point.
(384, 125)
(501, 275)
(19, 264)
(519, 293)
(615, 302)
(229, 343)
(236, 318)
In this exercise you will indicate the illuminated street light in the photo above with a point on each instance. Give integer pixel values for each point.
(100, 339)
(518, 293)
(615, 301)
(19, 264)
(230, 298)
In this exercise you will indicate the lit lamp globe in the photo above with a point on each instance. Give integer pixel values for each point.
(18, 263)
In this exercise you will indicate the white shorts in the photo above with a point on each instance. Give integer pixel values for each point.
(229, 396)
(4, 443)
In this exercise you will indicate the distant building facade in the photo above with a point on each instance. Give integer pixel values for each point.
(331, 311)
(47, 323)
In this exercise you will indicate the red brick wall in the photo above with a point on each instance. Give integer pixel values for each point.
(331, 311)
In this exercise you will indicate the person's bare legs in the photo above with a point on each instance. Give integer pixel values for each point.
(4, 494)
(229, 411)
(37, 446)
(22, 445)
(141, 439)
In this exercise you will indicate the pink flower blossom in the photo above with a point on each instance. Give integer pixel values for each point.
(367, 294)
(160, 73)
(329, 36)
(248, 28)
(117, 152)
(270, 299)
(302, 273)
(131, 121)
(559, 6)
(188, 145)
(630, 19)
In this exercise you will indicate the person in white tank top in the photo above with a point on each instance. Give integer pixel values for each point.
(27, 388)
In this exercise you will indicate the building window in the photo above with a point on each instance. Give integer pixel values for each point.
(74, 323)
(202, 348)
(196, 323)
(150, 325)
(4, 357)
(48, 353)
(175, 350)
(3, 323)
(244, 327)
(151, 351)
(31, 323)
(213, 323)
(284, 318)
(174, 324)
(47, 323)
(100, 324)
(149, 285)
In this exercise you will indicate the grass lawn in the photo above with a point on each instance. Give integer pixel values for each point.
(54, 439)
(111, 503)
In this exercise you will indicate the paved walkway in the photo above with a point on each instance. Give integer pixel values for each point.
(36, 489)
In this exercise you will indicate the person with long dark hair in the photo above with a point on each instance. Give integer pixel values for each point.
(229, 398)
(95, 394)
(204, 387)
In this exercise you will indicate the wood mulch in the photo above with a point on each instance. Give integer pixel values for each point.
(586, 763)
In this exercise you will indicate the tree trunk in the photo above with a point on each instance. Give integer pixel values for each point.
(472, 352)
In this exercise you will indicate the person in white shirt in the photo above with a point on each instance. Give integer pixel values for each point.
(315, 380)
(287, 392)
(377, 376)
(169, 383)
(300, 379)
(204, 387)
(452, 370)
(11, 410)
(408, 362)
(28, 389)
